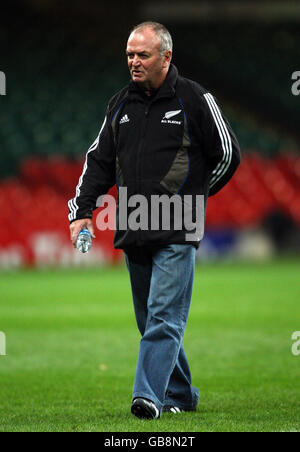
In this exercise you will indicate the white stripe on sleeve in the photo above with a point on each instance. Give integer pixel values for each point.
(223, 166)
(73, 206)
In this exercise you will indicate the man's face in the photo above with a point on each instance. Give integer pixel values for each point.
(146, 65)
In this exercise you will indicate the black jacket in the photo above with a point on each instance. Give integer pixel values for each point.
(175, 142)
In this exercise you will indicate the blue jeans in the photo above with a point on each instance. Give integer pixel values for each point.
(162, 282)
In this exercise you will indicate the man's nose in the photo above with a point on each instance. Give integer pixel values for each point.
(136, 61)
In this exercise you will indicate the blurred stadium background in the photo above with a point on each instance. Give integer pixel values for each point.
(63, 61)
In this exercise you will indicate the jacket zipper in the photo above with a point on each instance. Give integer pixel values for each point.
(139, 163)
(139, 158)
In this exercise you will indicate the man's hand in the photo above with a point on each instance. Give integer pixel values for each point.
(78, 225)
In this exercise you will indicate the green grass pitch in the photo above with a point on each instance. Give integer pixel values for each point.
(72, 345)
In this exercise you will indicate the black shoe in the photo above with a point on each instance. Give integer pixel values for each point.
(144, 409)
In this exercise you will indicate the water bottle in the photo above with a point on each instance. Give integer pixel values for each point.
(84, 241)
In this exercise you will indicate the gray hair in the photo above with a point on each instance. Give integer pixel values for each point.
(161, 31)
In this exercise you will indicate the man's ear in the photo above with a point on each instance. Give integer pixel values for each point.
(167, 57)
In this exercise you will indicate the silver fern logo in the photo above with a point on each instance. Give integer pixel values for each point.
(170, 114)
(2, 84)
(2, 344)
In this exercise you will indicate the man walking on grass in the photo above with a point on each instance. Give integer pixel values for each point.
(163, 139)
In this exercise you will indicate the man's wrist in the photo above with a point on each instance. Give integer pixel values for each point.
(82, 218)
